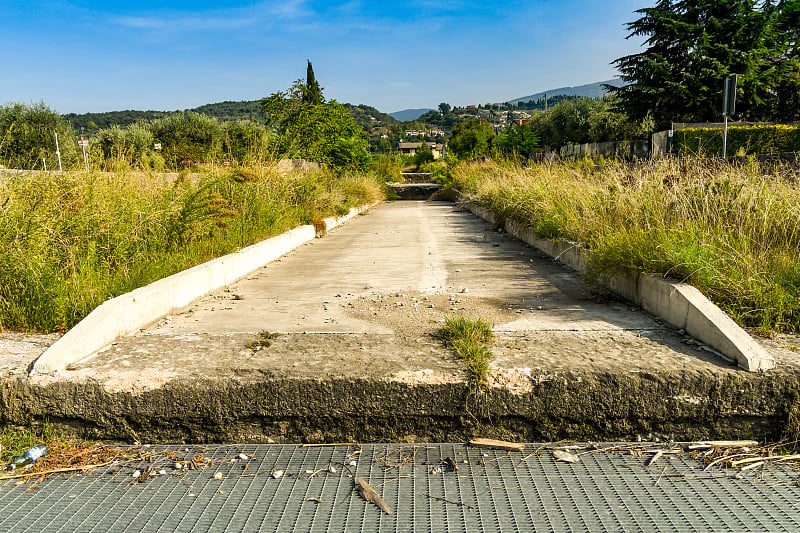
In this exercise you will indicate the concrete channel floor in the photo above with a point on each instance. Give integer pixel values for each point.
(390, 278)
(428, 487)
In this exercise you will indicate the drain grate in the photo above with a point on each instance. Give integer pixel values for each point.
(491, 491)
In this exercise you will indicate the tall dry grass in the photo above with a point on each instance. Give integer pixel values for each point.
(732, 231)
(69, 241)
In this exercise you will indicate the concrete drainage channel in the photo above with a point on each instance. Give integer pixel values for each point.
(695, 399)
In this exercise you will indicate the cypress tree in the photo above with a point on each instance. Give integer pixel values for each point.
(312, 94)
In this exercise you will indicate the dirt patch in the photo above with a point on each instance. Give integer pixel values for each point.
(414, 314)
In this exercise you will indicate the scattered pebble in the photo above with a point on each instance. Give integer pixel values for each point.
(162, 472)
(277, 474)
(332, 469)
(465, 290)
(353, 463)
(243, 457)
(137, 473)
(178, 466)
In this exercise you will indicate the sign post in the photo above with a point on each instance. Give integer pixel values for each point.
(58, 153)
(83, 143)
(728, 108)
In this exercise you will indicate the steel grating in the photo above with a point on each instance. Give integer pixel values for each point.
(492, 490)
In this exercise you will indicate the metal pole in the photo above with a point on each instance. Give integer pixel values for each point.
(725, 139)
(58, 153)
(44, 163)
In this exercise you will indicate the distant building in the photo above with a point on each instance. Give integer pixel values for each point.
(411, 148)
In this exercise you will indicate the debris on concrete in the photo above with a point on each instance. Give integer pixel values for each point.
(369, 494)
(497, 444)
(565, 456)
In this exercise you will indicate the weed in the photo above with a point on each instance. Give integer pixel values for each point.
(468, 340)
(73, 240)
(265, 339)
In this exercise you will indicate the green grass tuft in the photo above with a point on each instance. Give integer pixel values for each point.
(468, 340)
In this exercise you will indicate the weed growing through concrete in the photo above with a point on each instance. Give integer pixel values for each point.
(468, 339)
(265, 339)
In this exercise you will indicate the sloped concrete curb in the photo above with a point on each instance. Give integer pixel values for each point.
(141, 307)
(680, 304)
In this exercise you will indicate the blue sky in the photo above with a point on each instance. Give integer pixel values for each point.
(85, 55)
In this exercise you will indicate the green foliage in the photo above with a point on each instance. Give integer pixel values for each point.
(246, 142)
(388, 167)
(584, 120)
(519, 140)
(188, 138)
(130, 145)
(311, 128)
(27, 137)
(423, 155)
(741, 140)
(693, 45)
(73, 240)
(472, 139)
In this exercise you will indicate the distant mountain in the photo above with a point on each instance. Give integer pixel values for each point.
(229, 110)
(408, 114)
(591, 90)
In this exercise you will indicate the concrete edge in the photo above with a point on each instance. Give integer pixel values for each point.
(141, 307)
(679, 304)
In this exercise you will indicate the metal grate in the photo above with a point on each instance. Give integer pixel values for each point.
(491, 491)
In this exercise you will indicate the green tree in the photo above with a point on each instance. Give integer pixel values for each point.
(188, 138)
(691, 46)
(324, 132)
(423, 155)
(312, 94)
(472, 138)
(518, 141)
(27, 137)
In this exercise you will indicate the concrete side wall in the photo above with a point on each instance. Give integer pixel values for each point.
(679, 304)
(139, 308)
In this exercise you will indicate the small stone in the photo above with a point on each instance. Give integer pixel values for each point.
(243, 457)
(238, 297)
(178, 466)
(218, 475)
(332, 469)
(353, 463)
(162, 472)
(309, 471)
(137, 473)
(277, 474)
(465, 290)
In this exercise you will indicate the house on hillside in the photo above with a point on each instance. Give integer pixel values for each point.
(411, 148)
